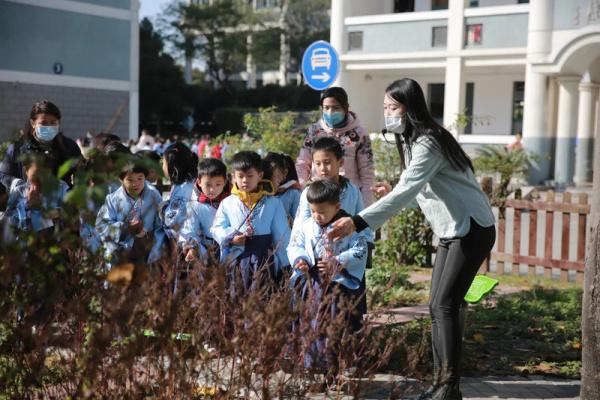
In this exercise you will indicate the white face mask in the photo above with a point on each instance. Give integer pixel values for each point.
(395, 124)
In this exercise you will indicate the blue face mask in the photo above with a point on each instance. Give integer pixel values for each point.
(334, 118)
(46, 133)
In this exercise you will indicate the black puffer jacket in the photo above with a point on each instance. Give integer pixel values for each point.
(57, 152)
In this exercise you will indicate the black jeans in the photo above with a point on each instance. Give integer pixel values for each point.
(456, 264)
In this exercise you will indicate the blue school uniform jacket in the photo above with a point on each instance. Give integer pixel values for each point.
(309, 242)
(267, 218)
(19, 212)
(198, 221)
(351, 201)
(118, 209)
(87, 230)
(290, 198)
(175, 209)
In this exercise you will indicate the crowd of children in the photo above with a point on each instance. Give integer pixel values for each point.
(255, 219)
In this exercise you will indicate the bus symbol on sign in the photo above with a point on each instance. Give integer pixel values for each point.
(320, 65)
(320, 58)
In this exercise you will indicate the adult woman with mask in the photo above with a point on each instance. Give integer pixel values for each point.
(43, 136)
(341, 123)
(439, 175)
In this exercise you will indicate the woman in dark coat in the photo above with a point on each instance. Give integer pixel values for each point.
(43, 136)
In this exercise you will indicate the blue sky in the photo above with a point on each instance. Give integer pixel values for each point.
(151, 8)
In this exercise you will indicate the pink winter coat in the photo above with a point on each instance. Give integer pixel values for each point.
(358, 155)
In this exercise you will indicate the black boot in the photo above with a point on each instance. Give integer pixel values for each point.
(428, 393)
(448, 391)
(435, 383)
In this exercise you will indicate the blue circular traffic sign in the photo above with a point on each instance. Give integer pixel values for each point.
(320, 65)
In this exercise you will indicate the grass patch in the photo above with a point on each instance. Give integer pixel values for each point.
(528, 282)
(388, 287)
(536, 331)
(532, 332)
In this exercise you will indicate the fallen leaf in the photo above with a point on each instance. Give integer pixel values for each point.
(479, 338)
(121, 274)
(545, 368)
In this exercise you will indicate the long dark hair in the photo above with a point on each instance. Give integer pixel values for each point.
(41, 107)
(337, 93)
(59, 149)
(283, 162)
(181, 162)
(420, 123)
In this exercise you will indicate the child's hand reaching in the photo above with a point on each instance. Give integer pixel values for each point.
(135, 227)
(238, 240)
(190, 255)
(302, 266)
(326, 267)
(34, 194)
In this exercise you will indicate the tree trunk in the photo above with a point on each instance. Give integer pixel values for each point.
(590, 321)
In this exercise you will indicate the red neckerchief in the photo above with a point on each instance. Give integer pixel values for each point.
(202, 198)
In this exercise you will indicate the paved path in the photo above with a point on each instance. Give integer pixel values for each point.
(507, 388)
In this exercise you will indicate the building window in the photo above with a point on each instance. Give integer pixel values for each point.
(517, 107)
(439, 4)
(439, 36)
(469, 99)
(523, 2)
(473, 34)
(355, 40)
(473, 3)
(401, 6)
(435, 96)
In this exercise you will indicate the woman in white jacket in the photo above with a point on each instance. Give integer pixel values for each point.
(439, 175)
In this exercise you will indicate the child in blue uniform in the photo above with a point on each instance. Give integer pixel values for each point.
(33, 203)
(326, 275)
(97, 172)
(328, 158)
(251, 226)
(128, 223)
(179, 164)
(210, 189)
(285, 182)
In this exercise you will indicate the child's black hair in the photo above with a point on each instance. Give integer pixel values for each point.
(323, 191)
(114, 148)
(149, 154)
(181, 163)
(245, 160)
(329, 144)
(101, 140)
(283, 162)
(267, 169)
(212, 167)
(134, 166)
(35, 158)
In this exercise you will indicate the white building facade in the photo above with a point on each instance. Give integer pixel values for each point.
(83, 55)
(489, 69)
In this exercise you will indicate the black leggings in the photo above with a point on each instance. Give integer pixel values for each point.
(456, 264)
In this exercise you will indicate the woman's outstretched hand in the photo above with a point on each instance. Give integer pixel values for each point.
(341, 228)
